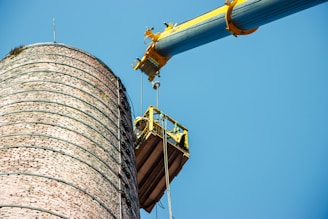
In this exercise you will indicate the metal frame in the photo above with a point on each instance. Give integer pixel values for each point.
(175, 131)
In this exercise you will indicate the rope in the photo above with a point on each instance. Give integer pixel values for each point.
(166, 166)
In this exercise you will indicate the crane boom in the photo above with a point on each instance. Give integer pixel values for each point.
(239, 17)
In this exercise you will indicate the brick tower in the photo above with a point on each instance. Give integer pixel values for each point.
(66, 147)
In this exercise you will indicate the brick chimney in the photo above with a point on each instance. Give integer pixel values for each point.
(66, 147)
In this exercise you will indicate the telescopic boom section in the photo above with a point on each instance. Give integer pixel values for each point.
(236, 17)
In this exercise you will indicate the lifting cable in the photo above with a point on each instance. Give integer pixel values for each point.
(156, 98)
(141, 93)
(166, 165)
(156, 85)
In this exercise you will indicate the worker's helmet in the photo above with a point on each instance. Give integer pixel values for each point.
(139, 120)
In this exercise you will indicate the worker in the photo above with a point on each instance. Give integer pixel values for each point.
(140, 123)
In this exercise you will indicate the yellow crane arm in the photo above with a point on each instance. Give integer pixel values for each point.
(236, 17)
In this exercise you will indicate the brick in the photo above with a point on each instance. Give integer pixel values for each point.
(63, 113)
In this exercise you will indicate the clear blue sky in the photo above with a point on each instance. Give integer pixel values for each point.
(256, 106)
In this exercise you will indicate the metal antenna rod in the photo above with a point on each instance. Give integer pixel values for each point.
(54, 28)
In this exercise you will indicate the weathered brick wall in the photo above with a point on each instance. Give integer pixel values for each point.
(66, 148)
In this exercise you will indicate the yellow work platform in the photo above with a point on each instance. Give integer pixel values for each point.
(150, 155)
